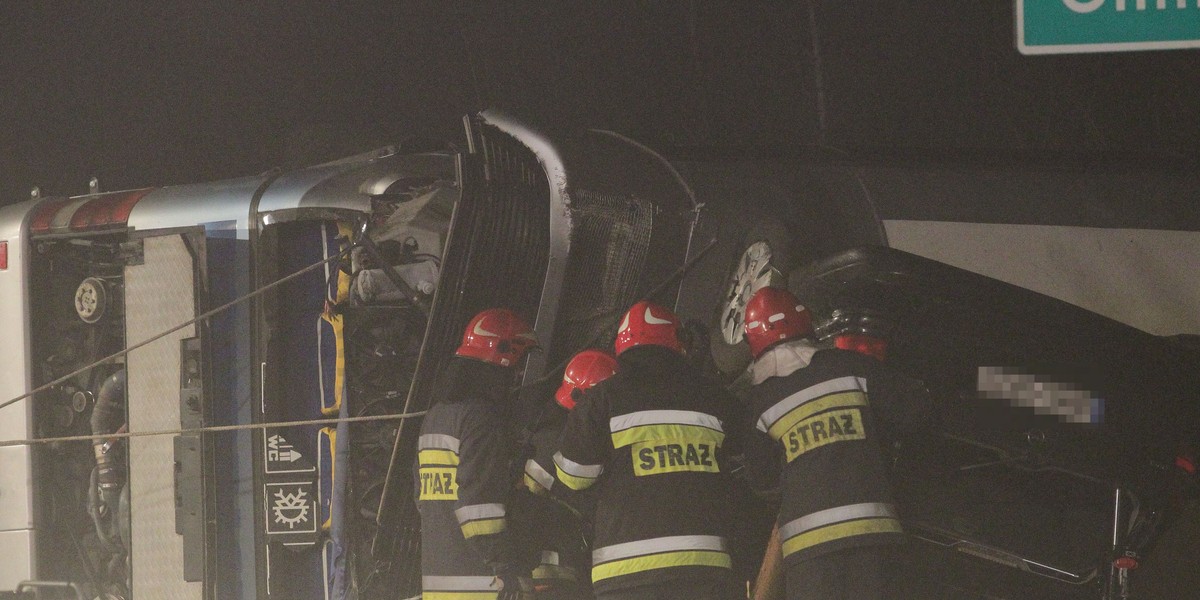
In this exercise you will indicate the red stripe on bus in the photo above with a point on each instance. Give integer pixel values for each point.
(108, 211)
(44, 215)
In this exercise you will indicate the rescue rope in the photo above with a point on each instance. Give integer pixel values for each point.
(210, 429)
(203, 317)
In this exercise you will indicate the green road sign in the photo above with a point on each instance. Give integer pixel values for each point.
(1074, 26)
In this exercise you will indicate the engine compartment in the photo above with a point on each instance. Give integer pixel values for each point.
(82, 491)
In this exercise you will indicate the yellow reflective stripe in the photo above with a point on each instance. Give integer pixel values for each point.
(339, 363)
(471, 529)
(573, 482)
(674, 456)
(330, 433)
(437, 457)
(838, 531)
(554, 572)
(343, 278)
(671, 543)
(458, 583)
(638, 564)
(458, 595)
(533, 486)
(535, 472)
(808, 394)
(663, 417)
(476, 512)
(826, 428)
(439, 483)
(837, 514)
(808, 409)
(575, 475)
(666, 431)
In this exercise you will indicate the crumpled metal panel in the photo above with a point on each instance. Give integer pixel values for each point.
(159, 295)
(496, 255)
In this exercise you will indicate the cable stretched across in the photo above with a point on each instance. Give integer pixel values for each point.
(203, 317)
(210, 429)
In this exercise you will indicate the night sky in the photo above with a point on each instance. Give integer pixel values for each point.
(157, 93)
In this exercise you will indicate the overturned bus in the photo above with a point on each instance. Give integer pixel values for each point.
(210, 390)
(171, 326)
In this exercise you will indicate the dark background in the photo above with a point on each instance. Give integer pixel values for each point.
(169, 92)
(161, 93)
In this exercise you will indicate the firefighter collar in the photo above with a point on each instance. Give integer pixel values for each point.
(782, 360)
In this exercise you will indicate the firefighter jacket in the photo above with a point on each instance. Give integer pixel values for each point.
(462, 479)
(815, 434)
(653, 437)
(548, 518)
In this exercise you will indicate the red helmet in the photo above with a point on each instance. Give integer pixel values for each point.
(497, 336)
(774, 315)
(585, 370)
(859, 330)
(862, 344)
(648, 323)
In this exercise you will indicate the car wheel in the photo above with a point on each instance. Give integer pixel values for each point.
(764, 260)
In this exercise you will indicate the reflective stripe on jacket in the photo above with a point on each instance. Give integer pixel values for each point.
(458, 588)
(656, 435)
(816, 435)
(461, 480)
(545, 516)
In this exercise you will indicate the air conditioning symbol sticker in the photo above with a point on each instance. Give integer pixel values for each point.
(291, 507)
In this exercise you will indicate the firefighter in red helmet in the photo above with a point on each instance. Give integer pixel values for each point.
(551, 516)
(655, 435)
(462, 473)
(817, 437)
(585, 370)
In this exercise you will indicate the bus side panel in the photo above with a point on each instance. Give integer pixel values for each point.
(231, 368)
(16, 491)
(160, 294)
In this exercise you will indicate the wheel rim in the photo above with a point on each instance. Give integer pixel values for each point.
(753, 273)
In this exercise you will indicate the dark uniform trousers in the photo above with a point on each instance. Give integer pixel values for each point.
(850, 574)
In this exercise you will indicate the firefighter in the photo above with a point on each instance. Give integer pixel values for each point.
(552, 516)
(653, 437)
(462, 471)
(817, 440)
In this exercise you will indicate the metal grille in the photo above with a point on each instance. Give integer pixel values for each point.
(496, 255)
(605, 277)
